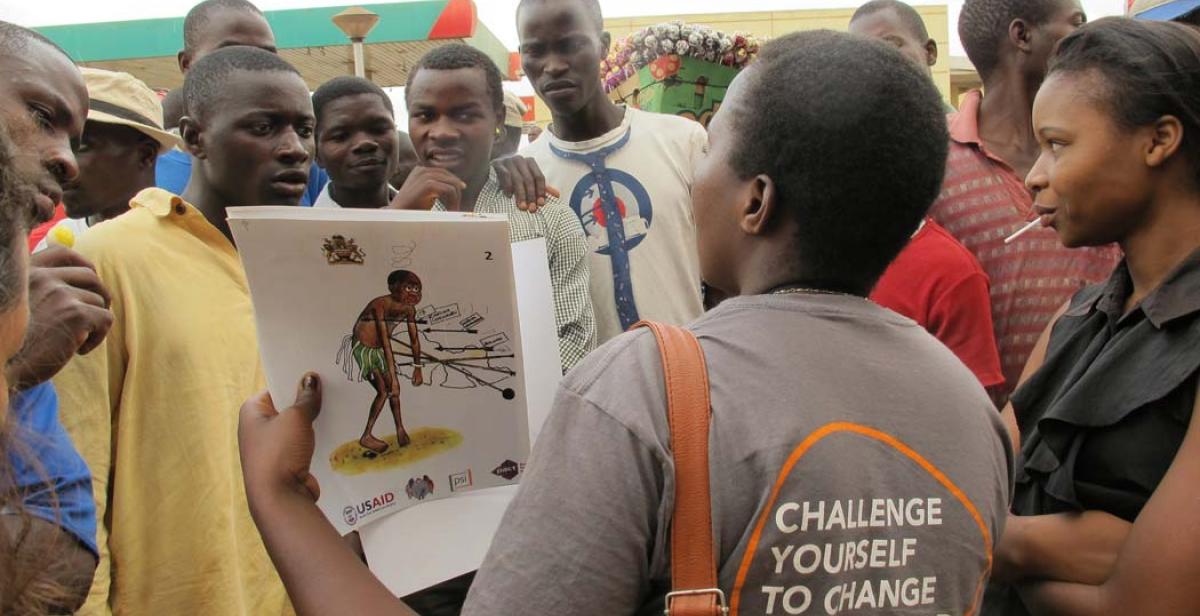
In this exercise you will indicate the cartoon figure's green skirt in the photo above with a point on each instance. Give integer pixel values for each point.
(369, 359)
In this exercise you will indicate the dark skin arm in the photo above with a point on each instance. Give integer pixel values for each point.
(322, 575)
(1158, 564)
(68, 314)
(57, 556)
(415, 340)
(1080, 547)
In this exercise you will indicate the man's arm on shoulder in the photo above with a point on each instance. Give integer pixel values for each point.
(578, 535)
(570, 275)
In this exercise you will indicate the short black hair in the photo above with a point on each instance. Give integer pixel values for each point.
(1146, 70)
(983, 26)
(907, 14)
(15, 39)
(401, 276)
(173, 108)
(455, 56)
(204, 83)
(197, 19)
(591, 6)
(343, 86)
(854, 137)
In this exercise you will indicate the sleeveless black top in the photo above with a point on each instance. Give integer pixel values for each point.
(1108, 410)
(1105, 415)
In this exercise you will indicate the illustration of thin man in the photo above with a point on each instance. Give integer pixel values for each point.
(375, 356)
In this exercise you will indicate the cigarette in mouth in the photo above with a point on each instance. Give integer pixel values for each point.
(1023, 230)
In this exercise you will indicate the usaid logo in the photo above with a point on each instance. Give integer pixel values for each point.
(353, 513)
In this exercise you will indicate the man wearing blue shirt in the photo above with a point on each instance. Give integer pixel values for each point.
(209, 26)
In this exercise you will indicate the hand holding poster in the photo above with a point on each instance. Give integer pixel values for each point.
(411, 320)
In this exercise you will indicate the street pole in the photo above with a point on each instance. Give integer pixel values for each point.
(356, 22)
(360, 63)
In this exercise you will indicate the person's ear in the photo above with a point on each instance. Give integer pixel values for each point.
(1020, 35)
(192, 134)
(758, 209)
(931, 52)
(147, 153)
(1164, 141)
(605, 44)
(501, 128)
(184, 59)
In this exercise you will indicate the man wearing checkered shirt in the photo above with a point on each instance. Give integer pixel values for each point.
(456, 115)
(566, 247)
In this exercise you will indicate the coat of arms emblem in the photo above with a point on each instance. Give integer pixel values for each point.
(339, 250)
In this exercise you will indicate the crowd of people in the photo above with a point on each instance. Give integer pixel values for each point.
(953, 352)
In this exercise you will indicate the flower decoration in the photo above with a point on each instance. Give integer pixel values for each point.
(662, 46)
(665, 66)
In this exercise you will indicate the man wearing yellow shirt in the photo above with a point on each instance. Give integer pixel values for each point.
(154, 410)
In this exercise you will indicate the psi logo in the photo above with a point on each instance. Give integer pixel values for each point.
(461, 481)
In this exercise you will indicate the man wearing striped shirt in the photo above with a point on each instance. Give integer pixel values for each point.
(992, 147)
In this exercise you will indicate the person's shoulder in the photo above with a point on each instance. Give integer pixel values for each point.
(128, 233)
(113, 235)
(537, 150)
(558, 214)
(1085, 299)
(953, 257)
(620, 365)
(666, 126)
(663, 120)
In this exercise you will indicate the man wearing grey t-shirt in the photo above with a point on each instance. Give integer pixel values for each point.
(856, 465)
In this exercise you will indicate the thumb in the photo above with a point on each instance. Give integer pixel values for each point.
(308, 396)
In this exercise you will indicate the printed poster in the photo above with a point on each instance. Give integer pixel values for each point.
(410, 318)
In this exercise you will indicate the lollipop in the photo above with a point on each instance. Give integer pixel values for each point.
(63, 236)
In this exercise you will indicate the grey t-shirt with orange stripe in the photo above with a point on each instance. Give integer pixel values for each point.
(856, 466)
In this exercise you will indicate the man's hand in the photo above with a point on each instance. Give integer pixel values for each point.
(426, 185)
(68, 314)
(277, 446)
(522, 179)
(417, 379)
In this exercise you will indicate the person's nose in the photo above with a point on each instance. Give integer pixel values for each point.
(293, 148)
(60, 161)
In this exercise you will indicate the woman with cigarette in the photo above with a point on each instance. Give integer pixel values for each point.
(1107, 493)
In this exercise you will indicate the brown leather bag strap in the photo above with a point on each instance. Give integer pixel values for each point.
(694, 589)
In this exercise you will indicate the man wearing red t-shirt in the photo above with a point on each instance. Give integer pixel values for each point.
(992, 147)
(939, 284)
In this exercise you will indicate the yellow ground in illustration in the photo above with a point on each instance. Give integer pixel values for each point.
(353, 459)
